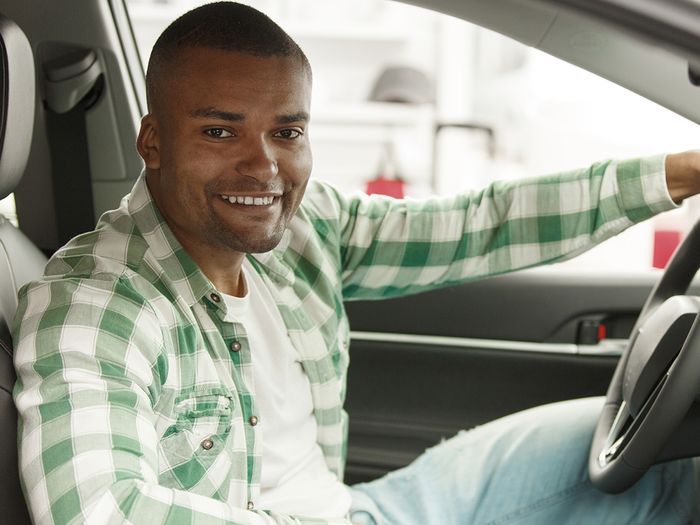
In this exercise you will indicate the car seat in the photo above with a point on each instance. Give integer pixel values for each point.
(20, 260)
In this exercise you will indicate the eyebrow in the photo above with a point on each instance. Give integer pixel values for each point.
(219, 114)
(302, 116)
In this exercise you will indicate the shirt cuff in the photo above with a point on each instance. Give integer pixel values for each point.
(643, 188)
(656, 168)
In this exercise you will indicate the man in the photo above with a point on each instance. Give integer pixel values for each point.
(185, 362)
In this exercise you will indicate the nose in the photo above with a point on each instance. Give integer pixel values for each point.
(258, 160)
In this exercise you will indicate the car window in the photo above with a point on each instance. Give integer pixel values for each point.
(412, 103)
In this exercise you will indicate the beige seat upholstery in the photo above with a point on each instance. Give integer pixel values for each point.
(20, 260)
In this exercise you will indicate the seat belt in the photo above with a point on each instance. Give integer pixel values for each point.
(73, 84)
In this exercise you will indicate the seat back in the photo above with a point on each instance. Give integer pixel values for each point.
(20, 260)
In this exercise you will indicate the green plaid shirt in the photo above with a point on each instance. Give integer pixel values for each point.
(136, 398)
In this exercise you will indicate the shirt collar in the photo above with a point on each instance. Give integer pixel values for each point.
(271, 262)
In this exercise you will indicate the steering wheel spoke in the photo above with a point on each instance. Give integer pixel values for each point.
(625, 425)
(616, 435)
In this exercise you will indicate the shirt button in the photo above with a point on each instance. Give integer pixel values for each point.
(235, 346)
(253, 420)
(215, 297)
(251, 505)
(207, 444)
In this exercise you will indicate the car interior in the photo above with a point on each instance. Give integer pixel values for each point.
(73, 92)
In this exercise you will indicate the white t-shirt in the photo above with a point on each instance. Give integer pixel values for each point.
(295, 478)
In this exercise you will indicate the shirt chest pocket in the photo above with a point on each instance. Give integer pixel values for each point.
(194, 454)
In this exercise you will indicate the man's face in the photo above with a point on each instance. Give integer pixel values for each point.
(229, 155)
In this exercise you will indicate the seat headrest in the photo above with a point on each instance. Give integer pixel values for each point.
(17, 99)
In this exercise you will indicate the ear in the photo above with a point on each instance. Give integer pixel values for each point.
(147, 143)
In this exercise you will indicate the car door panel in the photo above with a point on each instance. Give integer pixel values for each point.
(505, 344)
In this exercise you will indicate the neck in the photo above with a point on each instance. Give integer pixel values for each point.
(224, 271)
(221, 265)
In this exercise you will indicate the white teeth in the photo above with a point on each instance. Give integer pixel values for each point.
(247, 200)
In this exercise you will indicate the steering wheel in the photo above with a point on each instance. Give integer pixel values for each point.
(650, 414)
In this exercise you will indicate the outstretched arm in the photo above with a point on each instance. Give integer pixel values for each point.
(394, 247)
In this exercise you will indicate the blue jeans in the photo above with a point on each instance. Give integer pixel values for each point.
(528, 468)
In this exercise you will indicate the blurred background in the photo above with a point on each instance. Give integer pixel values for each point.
(410, 103)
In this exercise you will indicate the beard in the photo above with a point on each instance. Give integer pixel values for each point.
(219, 234)
(250, 237)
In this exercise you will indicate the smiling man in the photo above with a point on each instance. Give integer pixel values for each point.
(185, 362)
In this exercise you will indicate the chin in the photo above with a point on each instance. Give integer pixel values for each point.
(261, 247)
(252, 244)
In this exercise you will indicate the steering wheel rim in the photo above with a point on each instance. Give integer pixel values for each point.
(625, 444)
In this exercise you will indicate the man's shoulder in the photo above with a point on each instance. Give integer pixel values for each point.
(320, 196)
(320, 213)
(325, 202)
(115, 246)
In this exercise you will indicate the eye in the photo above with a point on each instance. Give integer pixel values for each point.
(289, 134)
(218, 133)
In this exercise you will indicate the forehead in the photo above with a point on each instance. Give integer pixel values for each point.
(205, 77)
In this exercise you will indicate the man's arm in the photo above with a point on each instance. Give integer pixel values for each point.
(90, 363)
(394, 247)
(683, 175)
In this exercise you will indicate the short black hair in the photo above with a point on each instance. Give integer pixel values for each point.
(229, 26)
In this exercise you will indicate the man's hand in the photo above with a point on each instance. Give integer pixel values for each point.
(683, 174)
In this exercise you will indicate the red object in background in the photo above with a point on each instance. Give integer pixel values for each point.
(602, 332)
(391, 187)
(665, 243)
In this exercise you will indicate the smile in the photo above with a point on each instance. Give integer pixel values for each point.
(249, 200)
